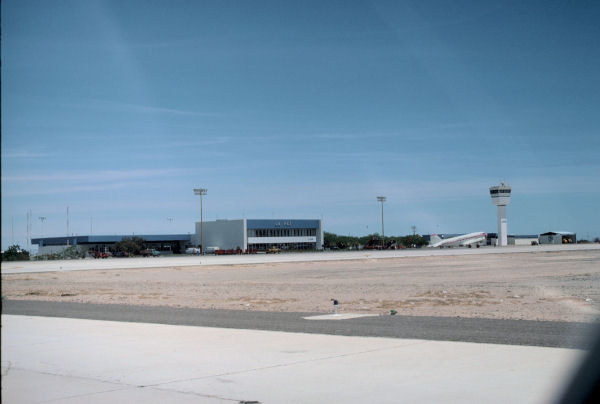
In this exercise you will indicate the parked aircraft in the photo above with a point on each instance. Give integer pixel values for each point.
(468, 240)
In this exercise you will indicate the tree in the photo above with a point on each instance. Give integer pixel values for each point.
(130, 245)
(415, 240)
(14, 253)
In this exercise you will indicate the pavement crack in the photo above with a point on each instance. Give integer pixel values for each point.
(86, 394)
(299, 362)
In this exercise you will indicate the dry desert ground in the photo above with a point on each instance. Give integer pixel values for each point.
(558, 285)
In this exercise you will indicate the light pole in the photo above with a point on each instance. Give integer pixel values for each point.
(382, 200)
(201, 191)
(42, 219)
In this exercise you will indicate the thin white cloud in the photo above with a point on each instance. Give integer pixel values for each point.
(53, 190)
(96, 176)
(189, 144)
(123, 106)
(359, 193)
(22, 155)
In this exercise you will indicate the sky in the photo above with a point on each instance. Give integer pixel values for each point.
(312, 109)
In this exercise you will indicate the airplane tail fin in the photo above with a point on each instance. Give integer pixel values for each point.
(434, 238)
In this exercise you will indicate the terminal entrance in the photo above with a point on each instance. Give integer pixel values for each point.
(283, 246)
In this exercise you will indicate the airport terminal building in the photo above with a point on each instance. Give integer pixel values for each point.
(165, 243)
(244, 234)
(260, 234)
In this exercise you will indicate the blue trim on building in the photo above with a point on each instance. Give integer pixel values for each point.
(282, 224)
(75, 240)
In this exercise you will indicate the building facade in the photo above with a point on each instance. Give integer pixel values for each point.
(165, 243)
(558, 237)
(532, 239)
(260, 234)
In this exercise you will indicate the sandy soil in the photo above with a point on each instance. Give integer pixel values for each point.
(562, 285)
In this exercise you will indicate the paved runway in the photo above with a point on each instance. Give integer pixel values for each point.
(182, 261)
(64, 361)
(509, 332)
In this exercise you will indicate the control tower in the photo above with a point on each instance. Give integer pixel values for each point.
(501, 197)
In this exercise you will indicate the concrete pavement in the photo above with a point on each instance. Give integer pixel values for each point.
(187, 260)
(62, 360)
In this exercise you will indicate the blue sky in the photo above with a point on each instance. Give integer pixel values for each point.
(118, 109)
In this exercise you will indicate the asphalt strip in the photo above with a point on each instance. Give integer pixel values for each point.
(479, 330)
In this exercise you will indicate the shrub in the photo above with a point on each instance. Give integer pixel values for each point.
(15, 253)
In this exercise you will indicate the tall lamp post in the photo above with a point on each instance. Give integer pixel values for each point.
(382, 200)
(201, 191)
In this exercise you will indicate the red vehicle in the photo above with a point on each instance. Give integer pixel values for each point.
(98, 254)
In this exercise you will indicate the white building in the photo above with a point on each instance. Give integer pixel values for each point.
(260, 234)
(523, 239)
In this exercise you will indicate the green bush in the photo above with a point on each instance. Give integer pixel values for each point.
(15, 253)
(130, 245)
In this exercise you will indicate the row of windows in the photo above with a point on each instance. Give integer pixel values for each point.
(281, 232)
(283, 246)
(499, 191)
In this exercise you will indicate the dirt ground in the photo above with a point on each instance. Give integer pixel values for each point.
(562, 286)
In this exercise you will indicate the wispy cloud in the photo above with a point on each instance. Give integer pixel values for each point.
(139, 108)
(189, 144)
(362, 192)
(54, 190)
(95, 176)
(22, 154)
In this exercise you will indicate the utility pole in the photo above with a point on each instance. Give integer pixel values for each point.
(382, 200)
(68, 225)
(414, 229)
(28, 228)
(201, 191)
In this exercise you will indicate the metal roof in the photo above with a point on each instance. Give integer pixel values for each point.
(554, 233)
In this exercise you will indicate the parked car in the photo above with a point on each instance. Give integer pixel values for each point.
(273, 250)
(149, 252)
(98, 254)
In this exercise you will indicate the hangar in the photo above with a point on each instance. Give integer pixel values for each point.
(558, 237)
(260, 234)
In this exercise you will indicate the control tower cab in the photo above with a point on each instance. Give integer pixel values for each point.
(501, 197)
